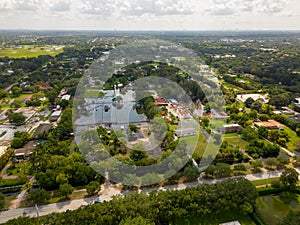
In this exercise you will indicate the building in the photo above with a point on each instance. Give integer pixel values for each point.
(232, 128)
(44, 85)
(66, 97)
(24, 153)
(255, 97)
(55, 116)
(161, 102)
(185, 132)
(42, 129)
(271, 124)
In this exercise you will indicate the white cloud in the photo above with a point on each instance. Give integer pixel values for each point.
(228, 7)
(159, 7)
(150, 14)
(60, 6)
(26, 5)
(5, 5)
(102, 8)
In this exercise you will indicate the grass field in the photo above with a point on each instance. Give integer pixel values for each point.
(235, 139)
(263, 182)
(200, 144)
(77, 194)
(294, 142)
(30, 51)
(274, 207)
(216, 219)
(93, 94)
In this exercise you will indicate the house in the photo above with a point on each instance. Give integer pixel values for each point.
(161, 102)
(66, 97)
(45, 85)
(24, 153)
(271, 124)
(55, 116)
(185, 132)
(232, 128)
(42, 128)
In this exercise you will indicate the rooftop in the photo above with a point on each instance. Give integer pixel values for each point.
(269, 124)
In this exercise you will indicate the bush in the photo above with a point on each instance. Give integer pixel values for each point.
(240, 167)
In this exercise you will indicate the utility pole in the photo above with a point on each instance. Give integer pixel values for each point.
(37, 212)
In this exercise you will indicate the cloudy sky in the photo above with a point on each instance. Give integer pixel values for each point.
(150, 14)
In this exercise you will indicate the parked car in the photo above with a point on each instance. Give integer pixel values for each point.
(98, 201)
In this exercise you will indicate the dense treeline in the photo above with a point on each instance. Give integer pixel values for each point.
(161, 207)
(271, 67)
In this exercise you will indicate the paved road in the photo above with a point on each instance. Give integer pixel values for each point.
(75, 204)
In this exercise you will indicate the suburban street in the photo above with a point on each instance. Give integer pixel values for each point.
(107, 195)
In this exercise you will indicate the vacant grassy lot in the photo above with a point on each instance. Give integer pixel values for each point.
(274, 207)
(294, 142)
(30, 51)
(235, 139)
(200, 144)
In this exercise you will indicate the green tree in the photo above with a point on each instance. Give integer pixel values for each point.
(250, 134)
(292, 218)
(263, 131)
(2, 201)
(16, 118)
(150, 178)
(249, 102)
(17, 143)
(16, 91)
(3, 93)
(138, 153)
(191, 172)
(137, 221)
(93, 187)
(257, 165)
(38, 196)
(65, 190)
(61, 178)
(289, 178)
(271, 163)
(133, 128)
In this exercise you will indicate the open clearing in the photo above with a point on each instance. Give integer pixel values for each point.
(30, 51)
(275, 207)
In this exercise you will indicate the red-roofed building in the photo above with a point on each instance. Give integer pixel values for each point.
(161, 102)
(45, 85)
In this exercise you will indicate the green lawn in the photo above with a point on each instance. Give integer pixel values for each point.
(77, 194)
(216, 219)
(274, 207)
(30, 51)
(293, 144)
(93, 94)
(235, 139)
(200, 144)
(231, 86)
(263, 182)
